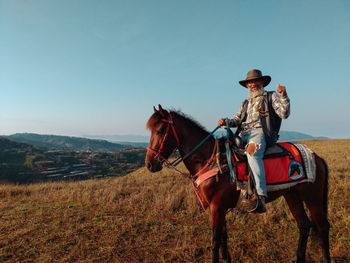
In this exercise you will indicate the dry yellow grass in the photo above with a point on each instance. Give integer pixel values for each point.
(144, 217)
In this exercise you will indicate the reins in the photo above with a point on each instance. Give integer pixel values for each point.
(228, 153)
(181, 159)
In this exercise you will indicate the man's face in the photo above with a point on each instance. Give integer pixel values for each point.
(255, 85)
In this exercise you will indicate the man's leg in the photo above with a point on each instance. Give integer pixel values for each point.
(255, 150)
(255, 154)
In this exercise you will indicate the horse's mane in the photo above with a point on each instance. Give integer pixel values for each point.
(189, 120)
(156, 118)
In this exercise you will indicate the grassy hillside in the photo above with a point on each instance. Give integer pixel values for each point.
(144, 217)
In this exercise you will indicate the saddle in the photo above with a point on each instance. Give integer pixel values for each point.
(285, 164)
(282, 161)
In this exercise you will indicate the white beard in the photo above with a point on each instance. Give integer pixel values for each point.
(253, 94)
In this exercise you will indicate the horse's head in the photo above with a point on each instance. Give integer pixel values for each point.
(163, 139)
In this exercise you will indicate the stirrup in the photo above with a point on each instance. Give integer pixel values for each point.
(253, 204)
(259, 206)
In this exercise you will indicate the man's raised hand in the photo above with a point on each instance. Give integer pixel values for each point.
(281, 90)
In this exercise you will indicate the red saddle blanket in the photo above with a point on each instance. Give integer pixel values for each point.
(284, 169)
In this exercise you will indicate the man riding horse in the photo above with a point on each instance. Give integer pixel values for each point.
(258, 121)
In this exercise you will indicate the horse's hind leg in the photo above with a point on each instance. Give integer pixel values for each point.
(297, 208)
(317, 205)
(322, 227)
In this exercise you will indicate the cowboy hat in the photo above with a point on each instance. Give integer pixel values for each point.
(255, 74)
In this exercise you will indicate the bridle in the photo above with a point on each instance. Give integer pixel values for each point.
(157, 154)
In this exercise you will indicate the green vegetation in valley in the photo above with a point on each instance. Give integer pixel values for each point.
(23, 163)
(66, 142)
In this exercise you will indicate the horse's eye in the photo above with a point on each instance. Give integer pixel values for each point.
(160, 132)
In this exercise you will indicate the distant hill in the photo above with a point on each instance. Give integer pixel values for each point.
(123, 139)
(293, 135)
(66, 142)
(7, 146)
(14, 160)
(134, 144)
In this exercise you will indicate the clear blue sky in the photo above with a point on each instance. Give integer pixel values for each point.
(73, 67)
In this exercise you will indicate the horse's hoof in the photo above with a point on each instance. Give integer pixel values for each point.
(227, 259)
(295, 260)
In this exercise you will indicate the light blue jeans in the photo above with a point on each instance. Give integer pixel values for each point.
(256, 160)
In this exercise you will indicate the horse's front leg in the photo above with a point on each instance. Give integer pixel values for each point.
(217, 223)
(216, 238)
(224, 251)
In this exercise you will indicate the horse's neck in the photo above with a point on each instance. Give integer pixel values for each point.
(189, 139)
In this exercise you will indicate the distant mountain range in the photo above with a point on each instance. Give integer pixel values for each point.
(111, 143)
(143, 140)
(123, 139)
(66, 142)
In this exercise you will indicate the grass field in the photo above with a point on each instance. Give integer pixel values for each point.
(144, 217)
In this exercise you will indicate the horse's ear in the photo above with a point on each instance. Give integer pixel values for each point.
(155, 110)
(161, 110)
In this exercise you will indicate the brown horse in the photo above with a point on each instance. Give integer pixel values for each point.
(172, 130)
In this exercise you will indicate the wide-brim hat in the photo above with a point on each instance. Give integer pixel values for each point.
(255, 74)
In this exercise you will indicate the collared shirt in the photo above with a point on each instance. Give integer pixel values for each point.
(281, 106)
